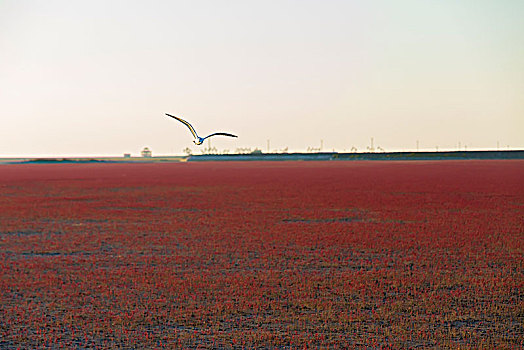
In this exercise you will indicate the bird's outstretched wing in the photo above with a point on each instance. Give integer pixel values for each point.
(186, 124)
(221, 134)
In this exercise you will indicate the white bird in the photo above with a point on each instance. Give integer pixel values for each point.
(198, 140)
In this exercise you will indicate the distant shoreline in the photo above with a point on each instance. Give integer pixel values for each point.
(334, 156)
(323, 156)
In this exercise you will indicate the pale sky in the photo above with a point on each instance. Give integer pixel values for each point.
(96, 77)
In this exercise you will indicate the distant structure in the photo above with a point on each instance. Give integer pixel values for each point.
(187, 151)
(243, 150)
(209, 149)
(146, 153)
(313, 149)
(127, 155)
(372, 148)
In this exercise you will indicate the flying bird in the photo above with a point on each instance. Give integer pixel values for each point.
(198, 140)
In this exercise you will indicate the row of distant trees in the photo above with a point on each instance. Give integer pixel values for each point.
(249, 150)
(240, 150)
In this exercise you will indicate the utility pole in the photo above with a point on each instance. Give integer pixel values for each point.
(372, 148)
(321, 144)
(267, 145)
(417, 145)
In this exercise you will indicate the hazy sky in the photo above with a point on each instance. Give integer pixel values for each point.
(96, 77)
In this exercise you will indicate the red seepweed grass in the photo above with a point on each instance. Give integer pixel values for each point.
(262, 254)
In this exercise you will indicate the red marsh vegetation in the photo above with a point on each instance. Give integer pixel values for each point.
(262, 254)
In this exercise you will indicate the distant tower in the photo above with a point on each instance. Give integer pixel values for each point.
(372, 148)
(321, 144)
(146, 153)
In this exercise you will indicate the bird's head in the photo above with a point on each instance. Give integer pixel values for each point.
(197, 142)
